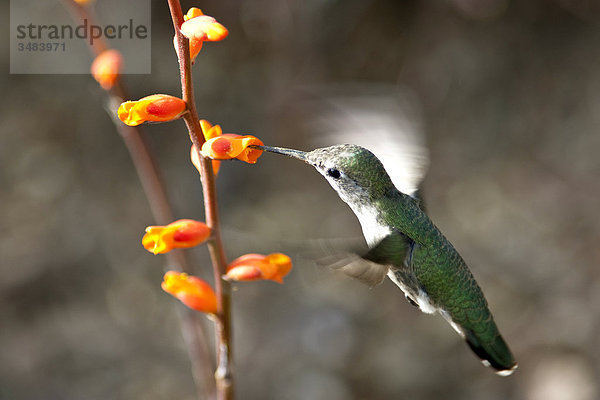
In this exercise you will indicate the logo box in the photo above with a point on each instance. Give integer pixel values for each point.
(49, 38)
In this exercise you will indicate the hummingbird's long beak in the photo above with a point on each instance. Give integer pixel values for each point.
(300, 155)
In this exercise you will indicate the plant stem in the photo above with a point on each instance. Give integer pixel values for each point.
(154, 189)
(223, 328)
(191, 326)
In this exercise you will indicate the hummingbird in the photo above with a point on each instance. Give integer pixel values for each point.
(406, 246)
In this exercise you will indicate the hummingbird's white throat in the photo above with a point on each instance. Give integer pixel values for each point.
(373, 230)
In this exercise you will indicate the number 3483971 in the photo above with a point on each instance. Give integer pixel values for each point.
(44, 46)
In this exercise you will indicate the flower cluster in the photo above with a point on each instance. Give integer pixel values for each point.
(186, 233)
(209, 143)
(193, 291)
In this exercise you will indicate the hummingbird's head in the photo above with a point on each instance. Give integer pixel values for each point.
(353, 171)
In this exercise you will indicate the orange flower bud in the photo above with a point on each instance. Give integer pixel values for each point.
(196, 161)
(199, 28)
(154, 108)
(230, 146)
(182, 233)
(106, 67)
(191, 291)
(203, 27)
(252, 267)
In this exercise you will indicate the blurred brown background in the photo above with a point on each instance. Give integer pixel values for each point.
(509, 100)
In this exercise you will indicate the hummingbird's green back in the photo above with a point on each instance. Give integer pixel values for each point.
(449, 285)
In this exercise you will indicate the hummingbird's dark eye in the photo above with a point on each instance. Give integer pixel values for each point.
(334, 173)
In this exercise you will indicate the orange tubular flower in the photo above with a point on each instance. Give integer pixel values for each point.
(191, 291)
(230, 146)
(200, 28)
(182, 233)
(219, 146)
(154, 108)
(252, 267)
(106, 67)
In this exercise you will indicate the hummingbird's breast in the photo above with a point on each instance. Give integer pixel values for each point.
(374, 229)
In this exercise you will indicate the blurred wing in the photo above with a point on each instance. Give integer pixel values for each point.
(373, 265)
(353, 265)
(381, 119)
(344, 255)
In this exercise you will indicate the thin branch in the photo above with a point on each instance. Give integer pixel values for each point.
(154, 189)
(223, 373)
(191, 326)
